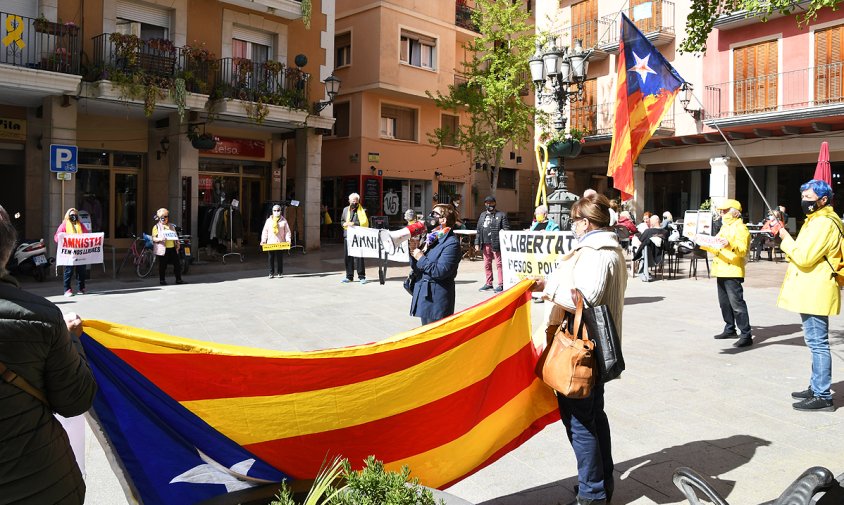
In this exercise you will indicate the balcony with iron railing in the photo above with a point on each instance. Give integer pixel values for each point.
(654, 19)
(592, 34)
(805, 93)
(36, 43)
(268, 82)
(463, 16)
(599, 120)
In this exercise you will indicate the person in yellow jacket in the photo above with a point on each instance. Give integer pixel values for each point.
(728, 267)
(353, 215)
(810, 287)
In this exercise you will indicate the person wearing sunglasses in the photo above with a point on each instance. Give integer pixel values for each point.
(276, 230)
(436, 257)
(72, 225)
(167, 248)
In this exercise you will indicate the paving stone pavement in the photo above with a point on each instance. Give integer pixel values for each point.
(685, 399)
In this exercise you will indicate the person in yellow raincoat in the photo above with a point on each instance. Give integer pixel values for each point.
(811, 289)
(728, 267)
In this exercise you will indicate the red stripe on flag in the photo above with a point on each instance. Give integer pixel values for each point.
(194, 376)
(408, 433)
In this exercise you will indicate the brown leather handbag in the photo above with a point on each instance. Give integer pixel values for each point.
(567, 364)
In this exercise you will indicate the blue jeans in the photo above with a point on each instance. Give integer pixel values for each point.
(80, 277)
(733, 307)
(588, 430)
(816, 336)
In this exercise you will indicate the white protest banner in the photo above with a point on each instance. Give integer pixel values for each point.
(80, 249)
(372, 243)
(526, 254)
(707, 241)
(170, 235)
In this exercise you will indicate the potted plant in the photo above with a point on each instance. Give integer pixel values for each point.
(203, 141)
(564, 144)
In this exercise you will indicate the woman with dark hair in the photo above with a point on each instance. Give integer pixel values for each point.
(769, 231)
(596, 268)
(436, 259)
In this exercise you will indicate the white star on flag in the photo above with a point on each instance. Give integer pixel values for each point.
(641, 67)
(215, 473)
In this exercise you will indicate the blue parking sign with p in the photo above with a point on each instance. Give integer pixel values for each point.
(63, 158)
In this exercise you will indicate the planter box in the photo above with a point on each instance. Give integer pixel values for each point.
(277, 114)
(567, 149)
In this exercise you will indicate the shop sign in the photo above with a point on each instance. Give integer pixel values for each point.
(12, 129)
(374, 157)
(227, 146)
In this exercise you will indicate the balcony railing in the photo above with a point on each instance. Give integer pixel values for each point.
(604, 119)
(655, 19)
(463, 17)
(270, 82)
(797, 89)
(129, 54)
(588, 32)
(39, 44)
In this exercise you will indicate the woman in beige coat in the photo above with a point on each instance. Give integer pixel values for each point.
(275, 230)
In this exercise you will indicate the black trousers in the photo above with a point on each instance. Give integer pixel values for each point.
(352, 263)
(170, 257)
(275, 260)
(733, 307)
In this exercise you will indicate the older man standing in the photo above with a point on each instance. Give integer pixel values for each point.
(41, 371)
(728, 267)
(353, 215)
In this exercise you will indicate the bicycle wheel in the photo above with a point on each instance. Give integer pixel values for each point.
(145, 263)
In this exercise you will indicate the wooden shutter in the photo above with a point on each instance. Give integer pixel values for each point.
(584, 21)
(755, 77)
(585, 115)
(649, 24)
(828, 75)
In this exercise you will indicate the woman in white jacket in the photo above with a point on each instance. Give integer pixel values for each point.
(597, 268)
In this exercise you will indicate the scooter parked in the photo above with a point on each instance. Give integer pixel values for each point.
(30, 258)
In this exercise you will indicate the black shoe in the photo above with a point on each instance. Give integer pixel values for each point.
(498, 289)
(814, 404)
(803, 395)
(163, 283)
(744, 342)
(587, 501)
(486, 287)
(724, 335)
(180, 281)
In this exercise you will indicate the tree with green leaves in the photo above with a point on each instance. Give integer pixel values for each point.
(492, 97)
(704, 12)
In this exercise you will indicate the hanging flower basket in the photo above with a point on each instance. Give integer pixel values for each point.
(565, 149)
(204, 142)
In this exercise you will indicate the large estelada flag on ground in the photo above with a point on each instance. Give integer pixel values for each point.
(186, 420)
(645, 88)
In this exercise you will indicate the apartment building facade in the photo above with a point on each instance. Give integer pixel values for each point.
(772, 87)
(135, 86)
(388, 54)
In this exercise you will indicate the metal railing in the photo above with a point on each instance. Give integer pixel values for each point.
(660, 20)
(588, 32)
(584, 117)
(605, 119)
(39, 44)
(797, 89)
(129, 54)
(270, 82)
(463, 17)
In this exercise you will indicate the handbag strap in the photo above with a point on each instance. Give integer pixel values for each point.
(579, 329)
(16, 380)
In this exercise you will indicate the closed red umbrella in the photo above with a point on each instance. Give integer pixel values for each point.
(823, 171)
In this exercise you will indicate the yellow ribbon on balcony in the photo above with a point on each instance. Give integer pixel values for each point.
(14, 31)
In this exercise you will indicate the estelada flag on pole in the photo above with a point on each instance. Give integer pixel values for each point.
(185, 420)
(645, 88)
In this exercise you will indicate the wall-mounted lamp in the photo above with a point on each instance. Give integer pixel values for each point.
(688, 89)
(332, 86)
(281, 162)
(437, 174)
(372, 167)
(165, 146)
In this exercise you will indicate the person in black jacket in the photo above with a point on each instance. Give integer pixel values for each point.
(37, 464)
(490, 223)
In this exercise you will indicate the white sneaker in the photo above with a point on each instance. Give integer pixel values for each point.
(68, 293)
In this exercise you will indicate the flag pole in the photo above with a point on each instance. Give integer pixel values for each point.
(733, 149)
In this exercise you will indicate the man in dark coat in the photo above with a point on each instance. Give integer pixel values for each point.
(490, 223)
(37, 464)
(437, 260)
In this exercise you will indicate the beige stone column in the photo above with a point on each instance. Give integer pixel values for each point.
(308, 183)
(638, 190)
(59, 128)
(182, 161)
(722, 180)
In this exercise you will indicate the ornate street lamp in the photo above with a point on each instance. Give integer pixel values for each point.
(558, 75)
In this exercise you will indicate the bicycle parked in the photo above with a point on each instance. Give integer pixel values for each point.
(141, 254)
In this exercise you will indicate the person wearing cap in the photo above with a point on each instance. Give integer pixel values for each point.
(728, 268)
(490, 223)
(276, 230)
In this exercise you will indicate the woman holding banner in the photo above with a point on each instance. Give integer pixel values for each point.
(165, 244)
(275, 231)
(72, 225)
(596, 268)
(437, 259)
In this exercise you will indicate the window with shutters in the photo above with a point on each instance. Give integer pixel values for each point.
(829, 79)
(145, 21)
(755, 78)
(398, 122)
(584, 116)
(343, 50)
(341, 119)
(584, 22)
(646, 15)
(449, 124)
(418, 50)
